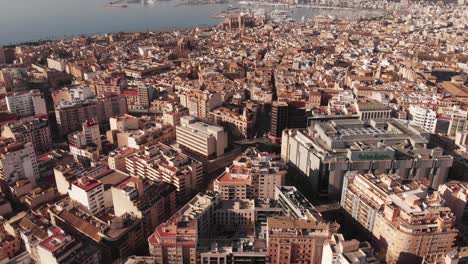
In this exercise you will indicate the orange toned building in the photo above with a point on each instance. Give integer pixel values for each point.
(254, 174)
(295, 240)
(315, 98)
(408, 222)
(176, 240)
(10, 246)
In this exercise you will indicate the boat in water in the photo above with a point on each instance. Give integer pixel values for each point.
(117, 4)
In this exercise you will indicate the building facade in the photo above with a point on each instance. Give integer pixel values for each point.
(407, 222)
(295, 240)
(423, 117)
(254, 174)
(36, 131)
(201, 138)
(326, 151)
(18, 164)
(26, 103)
(163, 163)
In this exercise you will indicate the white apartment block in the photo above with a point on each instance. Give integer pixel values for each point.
(201, 138)
(423, 117)
(18, 162)
(26, 103)
(89, 193)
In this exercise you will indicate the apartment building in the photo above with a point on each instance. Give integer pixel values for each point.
(407, 222)
(362, 201)
(89, 193)
(116, 159)
(455, 195)
(234, 255)
(60, 247)
(326, 151)
(26, 103)
(116, 237)
(151, 202)
(66, 174)
(458, 121)
(163, 163)
(423, 117)
(35, 130)
(173, 113)
(254, 174)
(71, 114)
(242, 124)
(175, 241)
(201, 138)
(32, 229)
(85, 145)
(18, 168)
(133, 132)
(237, 214)
(200, 103)
(295, 240)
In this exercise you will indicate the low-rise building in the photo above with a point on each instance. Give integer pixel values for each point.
(339, 251)
(10, 245)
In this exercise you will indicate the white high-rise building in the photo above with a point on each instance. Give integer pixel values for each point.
(89, 193)
(91, 133)
(423, 117)
(200, 137)
(18, 162)
(26, 103)
(86, 143)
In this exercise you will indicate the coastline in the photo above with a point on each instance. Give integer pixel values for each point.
(42, 41)
(204, 21)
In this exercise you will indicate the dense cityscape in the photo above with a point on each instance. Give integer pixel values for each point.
(259, 140)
